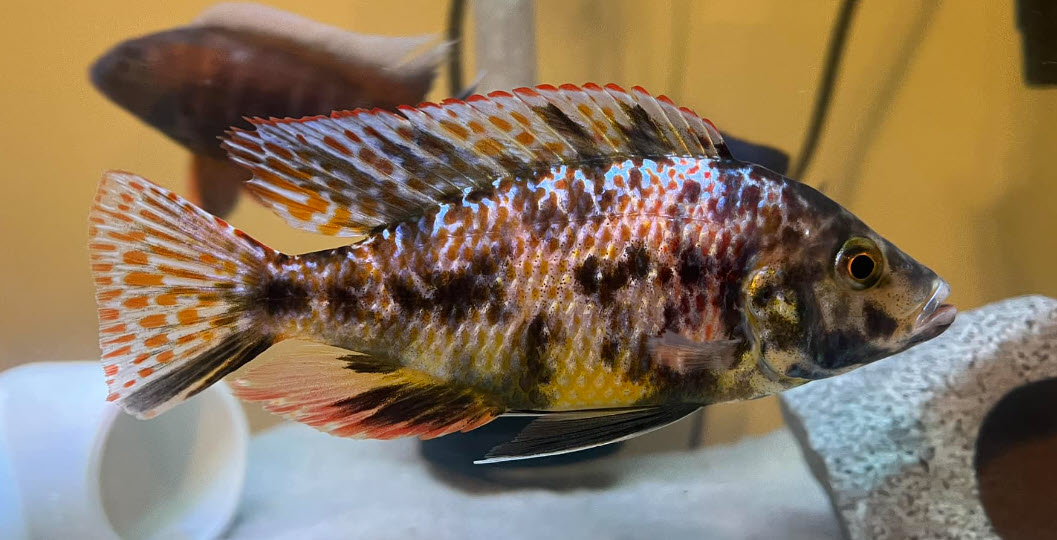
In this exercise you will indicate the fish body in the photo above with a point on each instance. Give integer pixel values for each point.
(607, 292)
(242, 60)
(549, 292)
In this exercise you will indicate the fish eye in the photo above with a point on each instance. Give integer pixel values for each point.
(860, 263)
(861, 266)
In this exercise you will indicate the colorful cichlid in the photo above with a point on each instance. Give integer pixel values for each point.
(237, 60)
(589, 255)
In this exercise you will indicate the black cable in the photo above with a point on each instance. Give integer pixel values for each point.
(825, 91)
(455, 17)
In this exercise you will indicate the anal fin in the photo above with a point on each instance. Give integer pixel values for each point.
(560, 433)
(348, 394)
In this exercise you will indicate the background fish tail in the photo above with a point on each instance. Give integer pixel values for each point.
(175, 288)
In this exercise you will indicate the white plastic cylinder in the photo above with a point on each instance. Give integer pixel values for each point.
(82, 468)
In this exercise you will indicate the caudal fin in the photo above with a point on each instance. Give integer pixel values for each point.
(171, 285)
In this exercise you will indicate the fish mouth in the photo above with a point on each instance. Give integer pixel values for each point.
(936, 316)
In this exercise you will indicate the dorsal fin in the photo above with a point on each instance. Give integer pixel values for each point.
(411, 59)
(353, 171)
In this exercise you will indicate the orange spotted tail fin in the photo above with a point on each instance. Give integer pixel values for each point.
(171, 285)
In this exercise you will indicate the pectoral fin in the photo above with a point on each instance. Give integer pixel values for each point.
(686, 356)
(560, 433)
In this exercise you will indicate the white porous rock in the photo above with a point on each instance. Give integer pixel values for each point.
(893, 442)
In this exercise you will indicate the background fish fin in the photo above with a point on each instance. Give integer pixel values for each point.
(406, 65)
(353, 171)
(560, 433)
(349, 394)
(216, 183)
(685, 356)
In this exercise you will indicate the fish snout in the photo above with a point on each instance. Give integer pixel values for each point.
(935, 316)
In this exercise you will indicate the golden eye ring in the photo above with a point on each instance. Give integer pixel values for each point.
(860, 263)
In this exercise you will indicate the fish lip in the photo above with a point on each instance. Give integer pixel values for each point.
(936, 316)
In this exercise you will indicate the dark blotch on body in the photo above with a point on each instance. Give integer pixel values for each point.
(345, 302)
(671, 318)
(789, 236)
(839, 349)
(640, 362)
(691, 192)
(691, 266)
(587, 275)
(665, 274)
(635, 179)
(877, 322)
(579, 202)
(638, 261)
(605, 280)
(406, 295)
(730, 184)
(751, 197)
(281, 296)
(706, 277)
(610, 352)
(536, 372)
(454, 294)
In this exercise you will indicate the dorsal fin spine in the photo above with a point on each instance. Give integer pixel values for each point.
(520, 114)
(355, 171)
(584, 105)
(651, 106)
(390, 126)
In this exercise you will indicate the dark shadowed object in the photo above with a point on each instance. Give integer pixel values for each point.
(1037, 21)
(1015, 462)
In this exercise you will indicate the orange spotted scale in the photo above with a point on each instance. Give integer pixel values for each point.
(588, 255)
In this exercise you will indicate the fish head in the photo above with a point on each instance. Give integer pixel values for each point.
(833, 295)
(130, 72)
(151, 77)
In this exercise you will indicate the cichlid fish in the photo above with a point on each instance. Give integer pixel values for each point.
(591, 256)
(237, 60)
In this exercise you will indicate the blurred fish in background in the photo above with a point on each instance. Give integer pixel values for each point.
(247, 60)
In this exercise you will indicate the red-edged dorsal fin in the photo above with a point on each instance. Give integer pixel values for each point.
(353, 395)
(354, 171)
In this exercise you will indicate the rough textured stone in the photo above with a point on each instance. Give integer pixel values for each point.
(893, 443)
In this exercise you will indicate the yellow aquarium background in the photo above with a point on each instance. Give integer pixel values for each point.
(933, 138)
